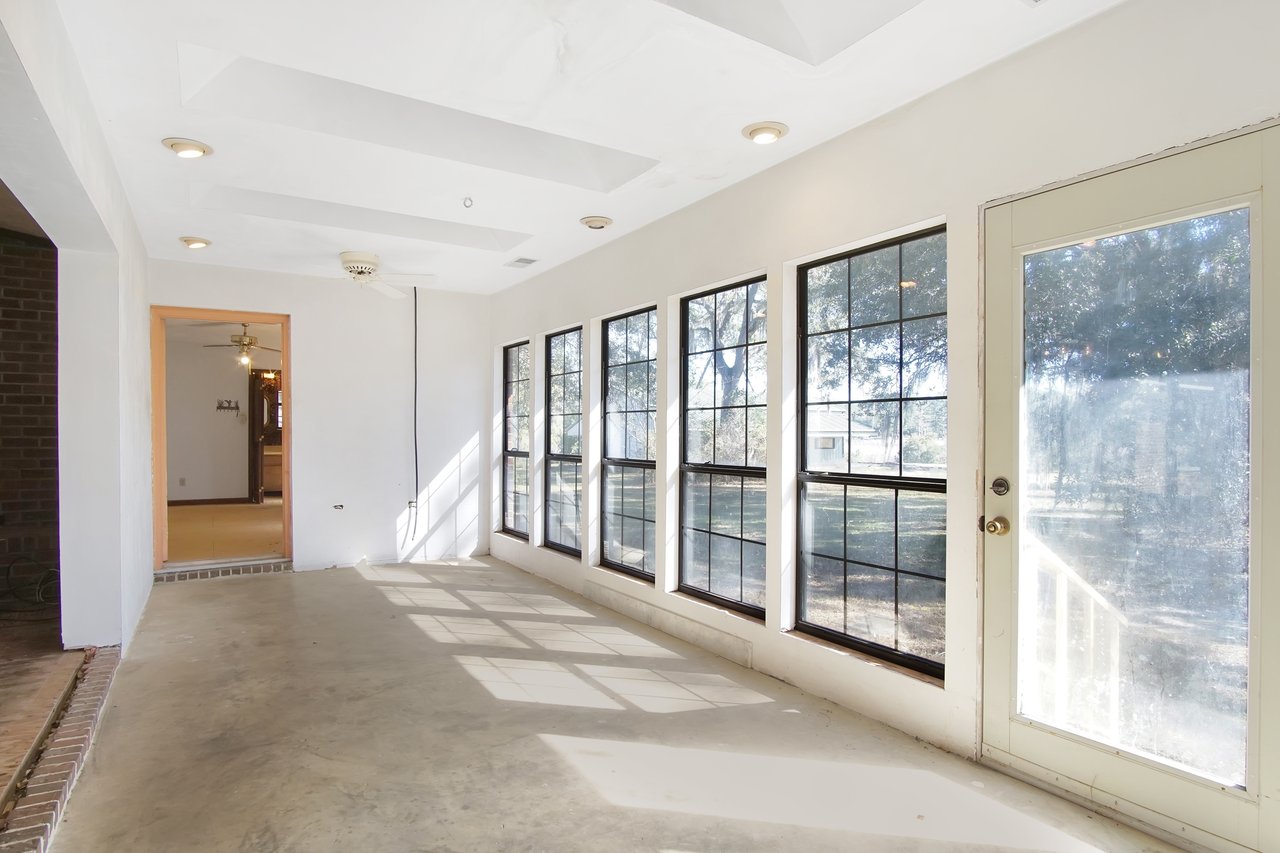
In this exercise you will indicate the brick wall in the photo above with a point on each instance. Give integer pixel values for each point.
(28, 397)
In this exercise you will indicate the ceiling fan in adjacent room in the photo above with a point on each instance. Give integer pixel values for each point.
(363, 268)
(245, 343)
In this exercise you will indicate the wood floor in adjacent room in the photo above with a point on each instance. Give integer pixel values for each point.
(225, 531)
(474, 707)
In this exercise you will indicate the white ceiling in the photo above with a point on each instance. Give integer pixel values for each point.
(340, 125)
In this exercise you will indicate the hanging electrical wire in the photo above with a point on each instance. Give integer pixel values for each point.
(28, 591)
(413, 504)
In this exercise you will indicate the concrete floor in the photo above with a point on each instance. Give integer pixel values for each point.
(475, 708)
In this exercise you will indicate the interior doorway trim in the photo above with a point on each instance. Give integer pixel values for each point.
(159, 448)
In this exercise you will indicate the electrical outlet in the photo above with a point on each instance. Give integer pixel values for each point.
(182, 481)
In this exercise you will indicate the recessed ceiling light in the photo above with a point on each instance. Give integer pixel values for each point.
(595, 223)
(187, 149)
(765, 132)
(194, 242)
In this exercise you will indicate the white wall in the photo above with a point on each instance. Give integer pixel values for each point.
(1147, 76)
(88, 386)
(56, 160)
(453, 399)
(208, 450)
(351, 365)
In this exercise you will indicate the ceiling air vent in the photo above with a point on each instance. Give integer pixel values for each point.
(521, 263)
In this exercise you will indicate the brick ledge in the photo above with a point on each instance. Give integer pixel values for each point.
(224, 571)
(29, 827)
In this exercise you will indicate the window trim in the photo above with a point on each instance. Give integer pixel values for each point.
(548, 456)
(506, 452)
(803, 475)
(606, 460)
(745, 471)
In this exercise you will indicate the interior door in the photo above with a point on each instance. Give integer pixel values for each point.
(266, 425)
(1125, 396)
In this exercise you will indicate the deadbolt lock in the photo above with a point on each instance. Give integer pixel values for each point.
(998, 526)
(1000, 486)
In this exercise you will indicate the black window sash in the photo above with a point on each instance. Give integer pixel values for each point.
(560, 457)
(710, 468)
(844, 479)
(608, 461)
(507, 452)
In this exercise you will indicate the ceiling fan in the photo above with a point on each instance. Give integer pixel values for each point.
(363, 268)
(243, 342)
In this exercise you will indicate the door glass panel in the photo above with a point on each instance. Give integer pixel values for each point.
(1134, 530)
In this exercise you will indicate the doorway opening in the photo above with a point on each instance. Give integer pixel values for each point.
(221, 431)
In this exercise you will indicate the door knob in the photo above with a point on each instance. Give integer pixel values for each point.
(998, 526)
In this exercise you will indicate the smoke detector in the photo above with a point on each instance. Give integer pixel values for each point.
(359, 265)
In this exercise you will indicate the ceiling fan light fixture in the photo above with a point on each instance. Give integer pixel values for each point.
(195, 242)
(187, 149)
(596, 223)
(765, 132)
(359, 265)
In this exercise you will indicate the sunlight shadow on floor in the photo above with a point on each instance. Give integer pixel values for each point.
(479, 575)
(588, 639)
(469, 630)
(521, 602)
(409, 596)
(871, 800)
(543, 682)
(667, 692)
(389, 574)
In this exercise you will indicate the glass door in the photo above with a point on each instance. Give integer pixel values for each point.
(1123, 554)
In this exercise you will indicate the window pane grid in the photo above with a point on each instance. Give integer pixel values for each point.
(563, 484)
(629, 515)
(628, 484)
(561, 521)
(722, 486)
(873, 454)
(515, 448)
(630, 386)
(851, 592)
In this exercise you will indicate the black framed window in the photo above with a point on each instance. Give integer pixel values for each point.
(630, 426)
(724, 358)
(515, 442)
(564, 441)
(873, 412)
